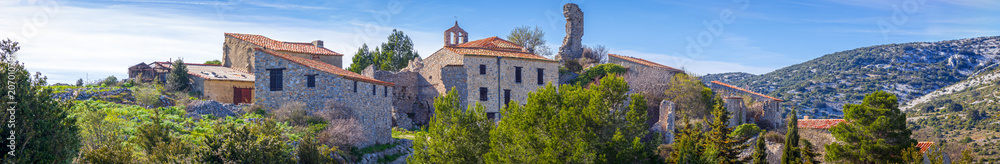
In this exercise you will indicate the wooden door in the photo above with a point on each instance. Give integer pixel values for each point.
(242, 95)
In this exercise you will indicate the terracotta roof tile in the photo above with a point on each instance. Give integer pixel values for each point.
(924, 146)
(744, 90)
(272, 44)
(494, 46)
(818, 123)
(644, 62)
(325, 67)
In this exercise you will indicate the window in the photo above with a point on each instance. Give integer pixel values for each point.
(482, 93)
(276, 79)
(482, 69)
(491, 115)
(517, 74)
(310, 81)
(355, 86)
(373, 89)
(541, 76)
(385, 91)
(506, 96)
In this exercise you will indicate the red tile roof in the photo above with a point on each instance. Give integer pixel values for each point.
(818, 123)
(644, 62)
(171, 65)
(272, 44)
(325, 67)
(924, 146)
(494, 46)
(747, 91)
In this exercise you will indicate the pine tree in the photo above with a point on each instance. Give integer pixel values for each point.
(760, 150)
(873, 131)
(809, 153)
(790, 154)
(720, 147)
(392, 56)
(454, 135)
(40, 128)
(687, 145)
(178, 80)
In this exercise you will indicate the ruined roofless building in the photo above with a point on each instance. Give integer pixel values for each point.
(238, 51)
(763, 110)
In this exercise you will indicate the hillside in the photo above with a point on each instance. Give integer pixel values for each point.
(821, 86)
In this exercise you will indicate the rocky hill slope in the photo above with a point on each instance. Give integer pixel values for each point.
(821, 86)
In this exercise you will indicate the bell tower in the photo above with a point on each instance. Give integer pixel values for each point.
(455, 35)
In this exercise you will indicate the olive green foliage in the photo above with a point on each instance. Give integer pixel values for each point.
(720, 147)
(759, 150)
(791, 154)
(598, 72)
(216, 62)
(690, 95)
(40, 126)
(454, 135)
(177, 79)
(259, 141)
(532, 39)
(745, 131)
(874, 131)
(159, 145)
(573, 124)
(109, 81)
(311, 152)
(391, 56)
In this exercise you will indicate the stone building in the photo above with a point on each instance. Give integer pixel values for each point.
(751, 107)
(648, 78)
(282, 78)
(221, 84)
(489, 71)
(238, 51)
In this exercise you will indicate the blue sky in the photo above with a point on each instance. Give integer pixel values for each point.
(68, 40)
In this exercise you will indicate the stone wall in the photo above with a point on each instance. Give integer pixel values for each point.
(651, 82)
(737, 111)
(414, 96)
(238, 54)
(665, 125)
(332, 92)
(328, 59)
(502, 77)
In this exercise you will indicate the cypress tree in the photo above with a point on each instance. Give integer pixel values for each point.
(790, 154)
(809, 153)
(722, 148)
(178, 80)
(760, 150)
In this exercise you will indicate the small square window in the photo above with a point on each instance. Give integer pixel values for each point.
(310, 81)
(482, 93)
(491, 115)
(276, 79)
(517, 74)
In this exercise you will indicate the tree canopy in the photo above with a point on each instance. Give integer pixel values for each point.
(874, 131)
(391, 56)
(532, 39)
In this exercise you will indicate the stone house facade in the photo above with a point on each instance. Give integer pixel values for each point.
(282, 78)
(238, 51)
(221, 84)
(490, 71)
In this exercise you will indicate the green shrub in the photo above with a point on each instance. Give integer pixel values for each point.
(597, 72)
(745, 131)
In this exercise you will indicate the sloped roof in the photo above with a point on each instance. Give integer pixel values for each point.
(211, 72)
(924, 146)
(494, 46)
(320, 66)
(744, 90)
(272, 44)
(818, 123)
(644, 62)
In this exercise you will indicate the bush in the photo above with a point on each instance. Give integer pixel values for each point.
(745, 131)
(598, 72)
(295, 114)
(147, 96)
(774, 136)
(309, 152)
(247, 143)
(110, 81)
(342, 129)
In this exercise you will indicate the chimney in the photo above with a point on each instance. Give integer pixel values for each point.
(805, 117)
(318, 43)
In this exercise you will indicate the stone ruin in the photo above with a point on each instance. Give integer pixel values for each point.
(750, 107)
(665, 125)
(572, 48)
(414, 96)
